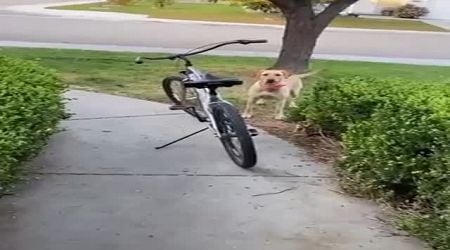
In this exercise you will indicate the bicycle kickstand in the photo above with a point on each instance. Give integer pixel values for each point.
(182, 138)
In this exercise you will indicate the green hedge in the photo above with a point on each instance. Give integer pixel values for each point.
(335, 104)
(30, 108)
(411, 11)
(258, 5)
(397, 144)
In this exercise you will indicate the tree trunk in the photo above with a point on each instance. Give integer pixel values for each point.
(303, 28)
(299, 40)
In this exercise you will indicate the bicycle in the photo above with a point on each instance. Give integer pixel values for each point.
(196, 93)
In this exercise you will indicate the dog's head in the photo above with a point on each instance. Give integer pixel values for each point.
(272, 76)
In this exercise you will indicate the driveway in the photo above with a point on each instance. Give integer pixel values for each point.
(100, 185)
(445, 24)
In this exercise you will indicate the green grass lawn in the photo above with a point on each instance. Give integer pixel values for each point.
(116, 73)
(228, 13)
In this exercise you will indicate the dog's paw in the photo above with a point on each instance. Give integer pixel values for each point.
(260, 102)
(246, 116)
(293, 105)
(280, 117)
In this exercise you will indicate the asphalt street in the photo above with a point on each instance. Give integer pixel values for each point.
(29, 27)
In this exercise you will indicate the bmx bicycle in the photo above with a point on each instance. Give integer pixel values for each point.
(196, 93)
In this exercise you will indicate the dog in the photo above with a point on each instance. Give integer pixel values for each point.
(279, 84)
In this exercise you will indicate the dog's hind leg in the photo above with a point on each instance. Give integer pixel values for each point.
(294, 94)
(279, 111)
(292, 103)
(293, 100)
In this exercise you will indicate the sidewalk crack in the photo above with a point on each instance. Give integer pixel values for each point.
(122, 117)
(181, 175)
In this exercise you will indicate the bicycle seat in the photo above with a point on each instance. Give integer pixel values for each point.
(210, 80)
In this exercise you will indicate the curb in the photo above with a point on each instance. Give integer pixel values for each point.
(42, 9)
(136, 49)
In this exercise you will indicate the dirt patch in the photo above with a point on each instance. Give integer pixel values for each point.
(322, 148)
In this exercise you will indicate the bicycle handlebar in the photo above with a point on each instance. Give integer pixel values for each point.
(245, 42)
(139, 59)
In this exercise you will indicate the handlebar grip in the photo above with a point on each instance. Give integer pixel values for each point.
(253, 41)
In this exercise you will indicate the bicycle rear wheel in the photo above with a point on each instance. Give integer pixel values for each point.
(234, 135)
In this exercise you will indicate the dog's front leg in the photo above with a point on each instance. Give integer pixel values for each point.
(248, 112)
(279, 112)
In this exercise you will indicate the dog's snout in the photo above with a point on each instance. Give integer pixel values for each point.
(270, 81)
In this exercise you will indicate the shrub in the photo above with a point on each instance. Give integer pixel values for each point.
(162, 3)
(30, 108)
(388, 12)
(396, 138)
(435, 228)
(334, 104)
(403, 153)
(397, 147)
(259, 5)
(411, 11)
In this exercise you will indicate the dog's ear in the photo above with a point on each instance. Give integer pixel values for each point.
(286, 73)
(259, 73)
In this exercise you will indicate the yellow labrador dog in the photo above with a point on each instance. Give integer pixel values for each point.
(275, 84)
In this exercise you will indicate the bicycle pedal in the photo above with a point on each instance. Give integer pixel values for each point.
(179, 107)
(202, 119)
(201, 116)
(253, 132)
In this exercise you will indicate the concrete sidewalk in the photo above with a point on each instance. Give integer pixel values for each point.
(100, 185)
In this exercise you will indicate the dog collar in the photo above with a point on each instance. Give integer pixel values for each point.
(273, 87)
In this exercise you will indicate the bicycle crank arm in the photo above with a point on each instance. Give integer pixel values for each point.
(190, 110)
(251, 131)
(180, 107)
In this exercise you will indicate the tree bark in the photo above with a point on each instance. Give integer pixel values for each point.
(299, 41)
(302, 30)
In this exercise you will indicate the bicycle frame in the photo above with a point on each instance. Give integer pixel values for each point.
(205, 96)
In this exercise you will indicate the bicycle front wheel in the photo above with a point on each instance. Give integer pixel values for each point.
(174, 88)
(234, 135)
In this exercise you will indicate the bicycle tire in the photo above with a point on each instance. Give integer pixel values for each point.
(167, 87)
(227, 117)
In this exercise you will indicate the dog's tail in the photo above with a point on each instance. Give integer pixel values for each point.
(304, 75)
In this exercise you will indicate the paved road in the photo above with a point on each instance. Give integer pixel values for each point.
(19, 2)
(100, 185)
(38, 28)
